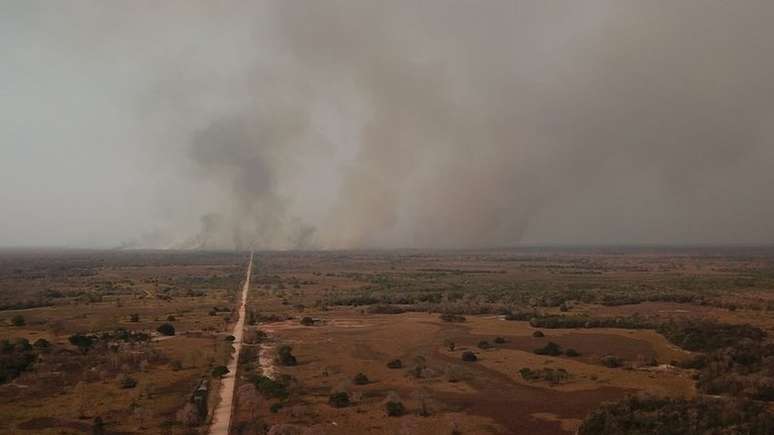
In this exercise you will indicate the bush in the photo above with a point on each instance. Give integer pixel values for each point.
(395, 409)
(483, 344)
(285, 356)
(166, 329)
(553, 322)
(15, 358)
(454, 374)
(611, 361)
(171, 318)
(538, 334)
(519, 316)
(469, 356)
(553, 376)
(708, 335)
(220, 371)
(82, 342)
(229, 338)
(361, 379)
(649, 415)
(307, 321)
(127, 382)
(339, 400)
(42, 343)
(134, 317)
(499, 340)
(275, 407)
(453, 318)
(571, 353)
(385, 309)
(551, 349)
(269, 388)
(395, 364)
(18, 320)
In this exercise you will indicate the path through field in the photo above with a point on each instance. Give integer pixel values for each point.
(221, 420)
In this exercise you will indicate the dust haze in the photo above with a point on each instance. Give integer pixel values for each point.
(402, 124)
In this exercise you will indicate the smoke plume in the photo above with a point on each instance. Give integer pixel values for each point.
(444, 123)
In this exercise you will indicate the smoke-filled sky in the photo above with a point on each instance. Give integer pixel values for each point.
(384, 124)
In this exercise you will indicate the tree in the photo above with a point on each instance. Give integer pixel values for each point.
(538, 334)
(18, 320)
(166, 329)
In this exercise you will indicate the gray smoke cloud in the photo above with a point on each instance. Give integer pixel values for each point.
(351, 124)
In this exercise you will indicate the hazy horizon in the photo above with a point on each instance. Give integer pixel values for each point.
(356, 125)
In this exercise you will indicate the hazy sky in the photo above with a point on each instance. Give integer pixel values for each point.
(346, 124)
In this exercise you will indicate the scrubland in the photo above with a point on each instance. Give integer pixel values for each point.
(526, 341)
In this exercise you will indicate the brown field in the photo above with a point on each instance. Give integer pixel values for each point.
(347, 296)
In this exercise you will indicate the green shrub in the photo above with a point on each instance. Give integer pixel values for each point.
(18, 320)
(650, 415)
(127, 382)
(166, 329)
(395, 364)
(339, 400)
(220, 371)
(82, 342)
(554, 376)
(395, 409)
(708, 335)
(269, 388)
(551, 349)
(361, 379)
(285, 356)
(611, 361)
(453, 318)
(469, 356)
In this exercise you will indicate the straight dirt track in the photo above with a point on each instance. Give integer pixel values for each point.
(221, 420)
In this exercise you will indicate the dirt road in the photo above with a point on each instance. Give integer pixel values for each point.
(221, 420)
